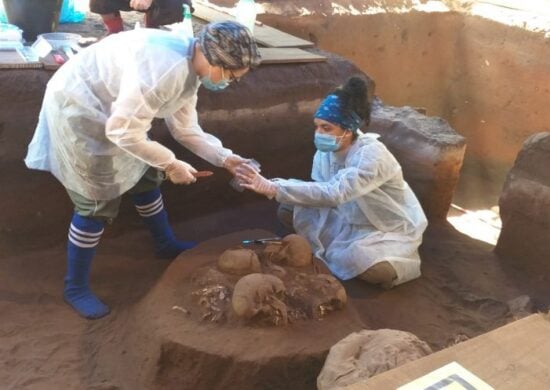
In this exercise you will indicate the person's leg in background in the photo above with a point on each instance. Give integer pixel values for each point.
(149, 204)
(85, 232)
(113, 23)
(110, 13)
(163, 12)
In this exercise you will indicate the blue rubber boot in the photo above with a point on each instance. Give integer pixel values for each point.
(84, 236)
(151, 208)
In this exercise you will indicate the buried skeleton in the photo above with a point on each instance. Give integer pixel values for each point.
(278, 284)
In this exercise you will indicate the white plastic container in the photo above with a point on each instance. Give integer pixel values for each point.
(246, 14)
(66, 42)
(187, 24)
(185, 27)
(10, 32)
(60, 39)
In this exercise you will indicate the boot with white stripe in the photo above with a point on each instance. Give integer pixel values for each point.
(84, 236)
(150, 207)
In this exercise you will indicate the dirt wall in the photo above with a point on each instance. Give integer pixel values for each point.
(489, 80)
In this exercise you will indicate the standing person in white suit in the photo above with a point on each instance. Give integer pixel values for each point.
(93, 125)
(358, 213)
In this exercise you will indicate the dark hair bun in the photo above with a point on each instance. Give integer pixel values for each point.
(354, 97)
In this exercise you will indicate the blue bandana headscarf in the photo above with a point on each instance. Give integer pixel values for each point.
(330, 111)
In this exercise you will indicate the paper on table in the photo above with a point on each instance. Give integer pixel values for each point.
(448, 377)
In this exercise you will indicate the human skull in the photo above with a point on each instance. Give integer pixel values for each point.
(239, 262)
(294, 251)
(331, 294)
(259, 296)
(315, 295)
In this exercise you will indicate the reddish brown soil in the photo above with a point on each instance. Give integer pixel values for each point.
(488, 80)
(45, 345)
(175, 348)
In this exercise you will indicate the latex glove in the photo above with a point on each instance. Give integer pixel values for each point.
(232, 162)
(251, 179)
(140, 5)
(180, 172)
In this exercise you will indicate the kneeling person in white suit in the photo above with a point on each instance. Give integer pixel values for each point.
(360, 216)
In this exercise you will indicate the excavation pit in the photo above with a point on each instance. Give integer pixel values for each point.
(484, 78)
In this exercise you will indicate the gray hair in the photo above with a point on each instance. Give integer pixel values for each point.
(229, 45)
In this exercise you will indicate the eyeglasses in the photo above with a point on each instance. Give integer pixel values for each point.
(232, 76)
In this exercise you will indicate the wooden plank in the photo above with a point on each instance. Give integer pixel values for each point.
(213, 13)
(286, 55)
(515, 356)
(264, 35)
(49, 63)
(11, 56)
(271, 37)
(534, 6)
(26, 65)
(13, 59)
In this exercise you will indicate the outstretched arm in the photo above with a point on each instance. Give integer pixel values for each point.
(129, 122)
(251, 179)
(372, 167)
(185, 128)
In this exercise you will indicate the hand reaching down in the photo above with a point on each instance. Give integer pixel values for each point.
(179, 172)
(252, 180)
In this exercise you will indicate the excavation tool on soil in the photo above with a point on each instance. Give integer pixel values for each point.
(269, 240)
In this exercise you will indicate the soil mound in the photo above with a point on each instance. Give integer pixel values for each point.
(192, 332)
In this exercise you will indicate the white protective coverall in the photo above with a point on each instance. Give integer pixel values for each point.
(98, 108)
(358, 211)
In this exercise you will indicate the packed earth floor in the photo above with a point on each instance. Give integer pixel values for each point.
(464, 291)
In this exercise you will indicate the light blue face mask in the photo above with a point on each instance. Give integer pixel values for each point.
(207, 82)
(326, 142)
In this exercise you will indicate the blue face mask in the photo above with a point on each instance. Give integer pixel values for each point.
(207, 82)
(326, 142)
